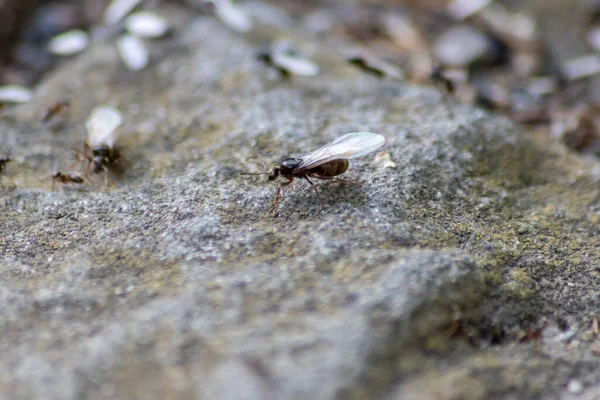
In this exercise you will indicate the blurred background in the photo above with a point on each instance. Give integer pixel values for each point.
(535, 61)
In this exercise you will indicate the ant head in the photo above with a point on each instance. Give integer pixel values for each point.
(273, 173)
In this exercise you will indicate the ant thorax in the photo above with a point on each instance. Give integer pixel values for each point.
(287, 166)
(101, 155)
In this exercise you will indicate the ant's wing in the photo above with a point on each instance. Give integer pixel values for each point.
(351, 145)
(102, 126)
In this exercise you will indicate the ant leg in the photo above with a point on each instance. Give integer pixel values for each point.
(88, 168)
(274, 204)
(86, 180)
(81, 157)
(60, 186)
(316, 191)
(105, 177)
(125, 159)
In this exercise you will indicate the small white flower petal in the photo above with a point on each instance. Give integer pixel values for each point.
(233, 16)
(133, 52)
(68, 43)
(146, 25)
(296, 65)
(118, 9)
(15, 94)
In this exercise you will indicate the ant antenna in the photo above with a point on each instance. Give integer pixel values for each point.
(253, 173)
(257, 162)
(256, 173)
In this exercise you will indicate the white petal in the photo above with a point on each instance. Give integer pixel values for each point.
(461, 9)
(133, 52)
(233, 16)
(593, 37)
(146, 25)
(14, 94)
(581, 67)
(296, 65)
(385, 160)
(68, 43)
(118, 9)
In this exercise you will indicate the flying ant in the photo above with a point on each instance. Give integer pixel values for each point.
(365, 65)
(100, 151)
(287, 60)
(438, 77)
(374, 66)
(325, 163)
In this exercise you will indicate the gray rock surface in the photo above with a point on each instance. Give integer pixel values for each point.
(179, 282)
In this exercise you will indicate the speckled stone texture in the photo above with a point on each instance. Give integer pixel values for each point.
(179, 282)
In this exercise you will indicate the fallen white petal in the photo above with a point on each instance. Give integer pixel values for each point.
(461, 9)
(133, 52)
(295, 65)
(15, 94)
(118, 9)
(593, 38)
(233, 16)
(581, 67)
(68, 43)
(146, 25)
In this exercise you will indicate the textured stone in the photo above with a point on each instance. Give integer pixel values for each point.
(178, 281)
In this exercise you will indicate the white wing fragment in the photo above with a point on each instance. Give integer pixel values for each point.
(145, 24)
(68, 43)
(118, 9)
(284, 56)
(296, 65)
(232, 16)
(133, 52)
(15, 94)
(351, 145)
(102, 126)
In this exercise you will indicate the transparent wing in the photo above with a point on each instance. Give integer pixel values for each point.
(351, 145)
(102, 126)
(296, 65)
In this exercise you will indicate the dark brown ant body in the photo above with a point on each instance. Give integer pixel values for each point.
(61, 179)
(102, 156)
(59, 107)
(438, 78)
(326, 163)
(288, 168)
(365, 65)
(99, 158)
